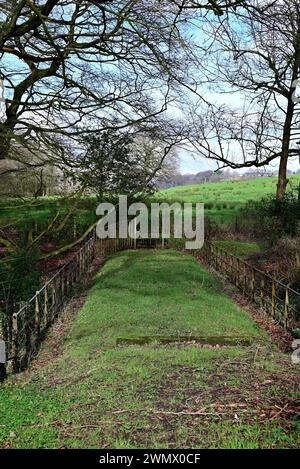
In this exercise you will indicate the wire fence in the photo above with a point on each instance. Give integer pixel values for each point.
(280, 301)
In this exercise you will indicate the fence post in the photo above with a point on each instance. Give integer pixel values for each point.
(46, 312)
(15, 344)
(273, 299)
(37, 314)
(237, 273)
(78, 266)
(2, 360)
(226, 263)
(217, 258)
(286, 309)
(63, 287)
(230, 268)
(244, 280)
(53, 299)
(262, 292)
(252, 285)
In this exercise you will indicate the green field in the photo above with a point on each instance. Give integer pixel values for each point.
(21, 214)
(95, 394)
(223, 200)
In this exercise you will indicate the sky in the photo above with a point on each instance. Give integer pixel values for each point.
(191, 163)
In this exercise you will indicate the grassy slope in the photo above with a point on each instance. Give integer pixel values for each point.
(224, 199)
(239, 248)
(98, 395)
(22, 214)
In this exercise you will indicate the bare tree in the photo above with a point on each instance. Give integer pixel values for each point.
(73, 64)
(158, 157)
(253, 56)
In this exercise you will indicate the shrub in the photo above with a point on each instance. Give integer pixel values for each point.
(273, 219)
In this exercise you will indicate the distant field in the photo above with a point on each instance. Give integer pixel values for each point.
(223, 200)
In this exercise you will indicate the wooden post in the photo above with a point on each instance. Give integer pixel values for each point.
(79, 266)
(273, 299)
(244, 280)
(262, 292)
(286, 309)
(53, 291)
(252, 285)
(237, 273)
(226, 263)
(68, 281)
(37, 315)
(15, 344)
(2, 359)
(46, 309)
(93, 244)
(63, 287)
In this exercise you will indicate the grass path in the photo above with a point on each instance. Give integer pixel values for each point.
(95, 394)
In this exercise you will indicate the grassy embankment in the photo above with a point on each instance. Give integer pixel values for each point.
(224, 200)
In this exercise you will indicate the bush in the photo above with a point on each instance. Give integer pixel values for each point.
(273, 219)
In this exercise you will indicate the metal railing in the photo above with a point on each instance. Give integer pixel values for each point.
(28, 326)
(278, 300)
(24, 330)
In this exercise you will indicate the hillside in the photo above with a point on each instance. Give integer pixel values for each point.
(223, 200)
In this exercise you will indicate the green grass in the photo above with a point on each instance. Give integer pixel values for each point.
(223, 200)
(21, 214)
(97, 395)
(166, 293)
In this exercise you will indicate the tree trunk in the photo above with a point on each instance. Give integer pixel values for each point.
(4, 142)
(282, 173)
(282, 179)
